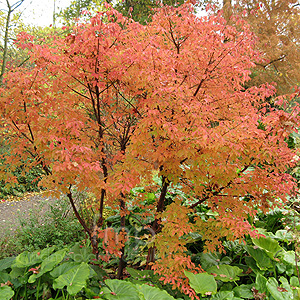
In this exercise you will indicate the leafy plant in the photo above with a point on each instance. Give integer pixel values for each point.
(26, 181)
(124, 290)
(43, 228)
(263, 268)
(63, 272)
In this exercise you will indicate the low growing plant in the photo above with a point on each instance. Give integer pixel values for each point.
(45, 227)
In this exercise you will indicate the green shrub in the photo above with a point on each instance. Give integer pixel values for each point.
(27, 181)
(44, 227)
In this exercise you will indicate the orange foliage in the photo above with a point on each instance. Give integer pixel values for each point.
(276, 24)
(105, 106)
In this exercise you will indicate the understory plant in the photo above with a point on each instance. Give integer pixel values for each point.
(258, 268)
(113, 101)
(48, 224)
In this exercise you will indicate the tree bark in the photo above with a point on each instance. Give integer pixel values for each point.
(156, 224)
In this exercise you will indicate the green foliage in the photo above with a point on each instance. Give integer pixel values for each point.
(6, 292)
(66, 273)
(202, 283)
(124, 290)
(50, 269)
(42, 229)
(53, 228)
(75, 279)
(27, 181)
(263, 268)
(141, 11)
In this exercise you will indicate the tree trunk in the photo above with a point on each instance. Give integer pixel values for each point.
(122, 262)
(156, 224)
(11, 8)
(4, 57)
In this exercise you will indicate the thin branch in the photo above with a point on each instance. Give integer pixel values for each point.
(216, 193)
(135, 109)
(81, 221)
(271, 62)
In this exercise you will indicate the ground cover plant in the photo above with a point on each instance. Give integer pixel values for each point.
(114, 102)
(259, 268)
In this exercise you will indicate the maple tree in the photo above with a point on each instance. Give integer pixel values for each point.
(104, 107)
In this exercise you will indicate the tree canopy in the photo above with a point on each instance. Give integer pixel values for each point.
(110, 103)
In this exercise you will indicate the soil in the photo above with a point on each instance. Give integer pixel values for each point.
(12, 209)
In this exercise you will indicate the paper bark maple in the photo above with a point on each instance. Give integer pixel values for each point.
(106, 105)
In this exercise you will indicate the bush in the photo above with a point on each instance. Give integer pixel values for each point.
(27, 181)
(43, 229)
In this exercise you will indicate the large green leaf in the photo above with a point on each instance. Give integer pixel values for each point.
(294, 281)
(6, 292)
(137, 274)
(122, 290)
(210, 259)
(244, 291)
(63, 268)
(46, 252)
(252, 264)
(277, 292)
(4, 277)
(262, 259)
(225, 273)
(285, 284)
(269, 245)
(296, 293)
(17, 272)
(202, 283)
(75, 279)
(261, 283)
(48, 264)
(289, 257)
(80, 254)
(154, 293)
(283, 235)
(223, 295)
(6, 263)
(27, 259)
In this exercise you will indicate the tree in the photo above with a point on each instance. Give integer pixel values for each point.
(10, 9)
(276, 24)
(11, 24)
(142, 10)
(107, 105)
(139, 10)
(76, 8)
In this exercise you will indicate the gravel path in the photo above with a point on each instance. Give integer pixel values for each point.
(12, 210)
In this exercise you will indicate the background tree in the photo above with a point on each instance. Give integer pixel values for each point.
(138, 10)
(8, 19)
(11, 25)
(105, 106)
(276, 24)
(76, 8)
(142, 10)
